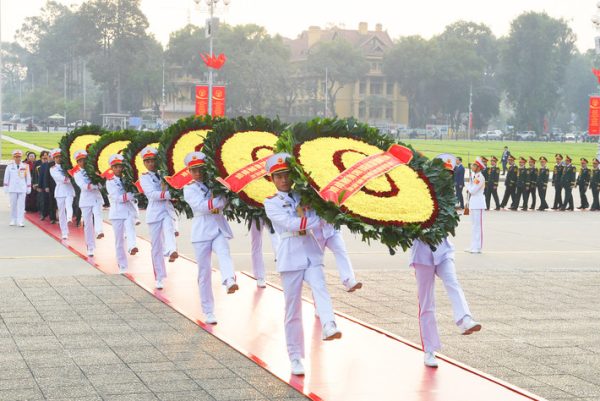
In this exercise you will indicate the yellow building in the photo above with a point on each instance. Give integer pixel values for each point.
(373, 99)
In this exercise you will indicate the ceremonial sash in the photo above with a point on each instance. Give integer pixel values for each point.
(238, 180)
(179, 180)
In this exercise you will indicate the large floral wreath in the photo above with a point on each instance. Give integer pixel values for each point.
(187, 135)
(410, 201)
(134, 165)
(79, 139)
(98, 167)
(233, 145)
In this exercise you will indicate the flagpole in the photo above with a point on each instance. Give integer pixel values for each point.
(470, 112)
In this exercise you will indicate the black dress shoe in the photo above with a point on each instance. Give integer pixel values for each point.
(513, 208)
(52, 221)
(562, 209)
(497, 208)
(42, 218)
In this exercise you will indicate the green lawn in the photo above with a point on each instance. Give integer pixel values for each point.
(469, 150)
(47, 140)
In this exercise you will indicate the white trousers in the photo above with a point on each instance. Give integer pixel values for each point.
(65, 214)
(337, 246)
(220, 246)
(258, 261)
(123, 228)
(157, 243)
(476, 229)
(92, 224)
(425, 275)
(292, 292)
(17, 207)
(169, 226)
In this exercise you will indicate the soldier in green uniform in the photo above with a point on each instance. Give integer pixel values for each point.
(568, 183)
(522, 183)
(510, 183)
(557, 180)
(583, 181)
(532, 173)
(595, 184)
(542, 182)
(491, 184)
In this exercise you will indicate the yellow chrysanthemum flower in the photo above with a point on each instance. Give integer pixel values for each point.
(81, 143)
(187, 143)
(107, 152)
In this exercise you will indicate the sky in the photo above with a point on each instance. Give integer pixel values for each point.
(289, 18)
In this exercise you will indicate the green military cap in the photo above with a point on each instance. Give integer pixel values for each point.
(567, 157)
(494, 159)
(595, 160)
(543, 158)
(522, 159)
(558, 155)
(511, 157)
(583, 159)
(483, 159)
(531, 159)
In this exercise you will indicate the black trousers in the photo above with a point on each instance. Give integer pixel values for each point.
(459, 196)
(584, 200)
(595, 200)
(532, 194)
(558, 203)
(509, 193)
(568, 201)
(492, 192)
(517, 198)
(542, 193)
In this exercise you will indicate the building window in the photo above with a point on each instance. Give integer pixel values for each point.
(390, 89)
(389, 113)
(362, 110)
(376, 86)
(362, 87)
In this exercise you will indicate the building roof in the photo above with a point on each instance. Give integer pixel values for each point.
(371, 43)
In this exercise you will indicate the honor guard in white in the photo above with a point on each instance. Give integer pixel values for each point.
(17, 184)
(331, 238)
(210, 233)
(122, 213)
(299, 259)
(427, 265)
(476, 205)
(158, 215)
(256, 241)
(90, 203)
(63, 193)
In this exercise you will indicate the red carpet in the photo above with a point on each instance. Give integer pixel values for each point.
(366, 364)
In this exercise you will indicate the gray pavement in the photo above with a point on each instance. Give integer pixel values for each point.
(535, 289)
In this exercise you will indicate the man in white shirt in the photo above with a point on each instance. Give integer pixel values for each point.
(90, 203)
(158, 215)
(210, 233)
(63, 193)
(476, 206)
(122, 213)
(299, 259)
(17, 183)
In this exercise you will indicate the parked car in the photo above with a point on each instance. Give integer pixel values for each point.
(526, 136)
(78, 123)
(570, 137)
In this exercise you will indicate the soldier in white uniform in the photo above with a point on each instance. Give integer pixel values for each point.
(299, 259)
(158, 215)
(63, 193)
(210, 233)
(90, 203)
(331, 238)
(17, 183)
(476, 206)
(427, 265)
(256, 240)
(122, 213)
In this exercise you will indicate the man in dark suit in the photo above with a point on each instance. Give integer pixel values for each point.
(522, 184)
(531, 193)
(557, 181)
(49, 187)
(510, 183)
(491, 184)
(459, 181)
(568, 183)
(595, 185)
(583, 181)
(504, 159)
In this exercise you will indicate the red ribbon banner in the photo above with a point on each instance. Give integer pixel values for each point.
(179, 180)
(594, 120)
(241, 178)
(351, 180)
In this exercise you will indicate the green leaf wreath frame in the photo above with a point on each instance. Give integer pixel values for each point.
(67, 140)
(97, 147)
(393, 236)
(165, 153)
(130, 172)
(240, 207)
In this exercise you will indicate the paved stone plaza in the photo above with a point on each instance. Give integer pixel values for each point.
(69, 332)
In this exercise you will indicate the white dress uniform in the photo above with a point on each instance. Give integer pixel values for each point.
(256, 241)
(476, 207)
(158, 217)
(17, 183)
(90, 203)
(427, 265)
(122, 215)
(331, 238)
(299, 259)
(210, 233)
(64, 194)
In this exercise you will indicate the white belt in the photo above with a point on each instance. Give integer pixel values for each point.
(289, 234)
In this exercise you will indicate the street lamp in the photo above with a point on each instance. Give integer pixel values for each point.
(209, 32)
(596, 22)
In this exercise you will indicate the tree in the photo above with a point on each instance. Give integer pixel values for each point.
(581, 83)
(344, 65)
(533, 63)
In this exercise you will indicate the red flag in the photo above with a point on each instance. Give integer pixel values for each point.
(73, 171)
(179, 180)
(594, 118)
(108, 174)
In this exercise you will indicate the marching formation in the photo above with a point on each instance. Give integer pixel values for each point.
(525, 183)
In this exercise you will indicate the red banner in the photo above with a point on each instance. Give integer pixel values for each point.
(351, 180)
(179, 180)
(73, 171)
(238, 180)
(594, 121)
(219, 95)
(138, 186)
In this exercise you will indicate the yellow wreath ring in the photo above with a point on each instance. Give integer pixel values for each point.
(81, 142)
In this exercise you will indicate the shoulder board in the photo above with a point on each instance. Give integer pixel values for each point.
(146, 172)
(272, 196)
